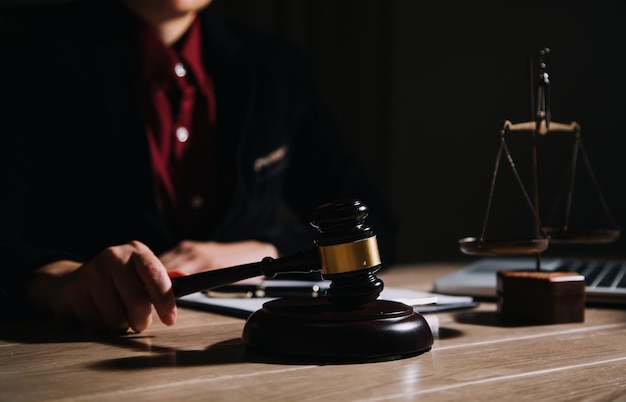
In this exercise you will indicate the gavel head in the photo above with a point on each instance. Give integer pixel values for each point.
(348, 251)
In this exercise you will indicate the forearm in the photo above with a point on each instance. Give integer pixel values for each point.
(190, 257)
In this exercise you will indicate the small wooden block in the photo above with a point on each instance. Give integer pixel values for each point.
(541, 297)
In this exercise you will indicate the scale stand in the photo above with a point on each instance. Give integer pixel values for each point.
(534, 295)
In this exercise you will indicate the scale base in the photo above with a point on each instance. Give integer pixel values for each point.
(541, 297)
(317, 328)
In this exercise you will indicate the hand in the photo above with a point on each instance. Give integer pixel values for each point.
(114, 291)
(190, 257)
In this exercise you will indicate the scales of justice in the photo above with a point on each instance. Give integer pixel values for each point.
(536, 295)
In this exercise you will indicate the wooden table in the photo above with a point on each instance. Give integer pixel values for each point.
(202, 358)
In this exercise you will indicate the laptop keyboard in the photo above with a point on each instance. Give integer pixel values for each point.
(599, 274)
(605, 278)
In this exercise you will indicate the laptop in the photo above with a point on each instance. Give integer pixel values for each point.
(605, 279)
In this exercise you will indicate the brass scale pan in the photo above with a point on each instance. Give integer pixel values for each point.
(478, 246)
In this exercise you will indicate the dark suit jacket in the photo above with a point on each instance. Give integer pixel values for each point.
(76, 173)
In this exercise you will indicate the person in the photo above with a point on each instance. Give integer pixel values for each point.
(148, 139)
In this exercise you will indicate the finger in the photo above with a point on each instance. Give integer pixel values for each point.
(103, 290)
(110, 279)
(156, 282)
(136, 301)
(111, 308)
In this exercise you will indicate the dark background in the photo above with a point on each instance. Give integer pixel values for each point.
(421, 90)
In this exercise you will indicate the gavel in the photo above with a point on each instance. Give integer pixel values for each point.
(349, 323)
(346, 253)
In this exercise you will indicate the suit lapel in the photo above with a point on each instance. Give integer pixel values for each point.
(234, 84)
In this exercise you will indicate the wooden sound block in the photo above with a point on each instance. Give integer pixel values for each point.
(541, 297)
(315, 327)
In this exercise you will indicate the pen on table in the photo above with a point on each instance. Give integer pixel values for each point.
(262, 290)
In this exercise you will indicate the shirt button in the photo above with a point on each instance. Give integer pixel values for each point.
(182, 134)
(196, 202)
(180, 70)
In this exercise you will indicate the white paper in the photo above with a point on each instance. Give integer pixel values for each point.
(243, 306)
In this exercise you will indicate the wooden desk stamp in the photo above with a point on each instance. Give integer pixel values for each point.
(541, 297)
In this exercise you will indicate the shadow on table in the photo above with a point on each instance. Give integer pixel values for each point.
(236, 351)
(226, 352)
(492, 319)
(229, 352)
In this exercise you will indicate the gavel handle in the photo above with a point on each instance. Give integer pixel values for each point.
(303, 261)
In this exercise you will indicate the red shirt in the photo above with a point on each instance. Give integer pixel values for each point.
(180, 120)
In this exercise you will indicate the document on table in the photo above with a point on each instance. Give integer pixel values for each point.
(242, 300)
